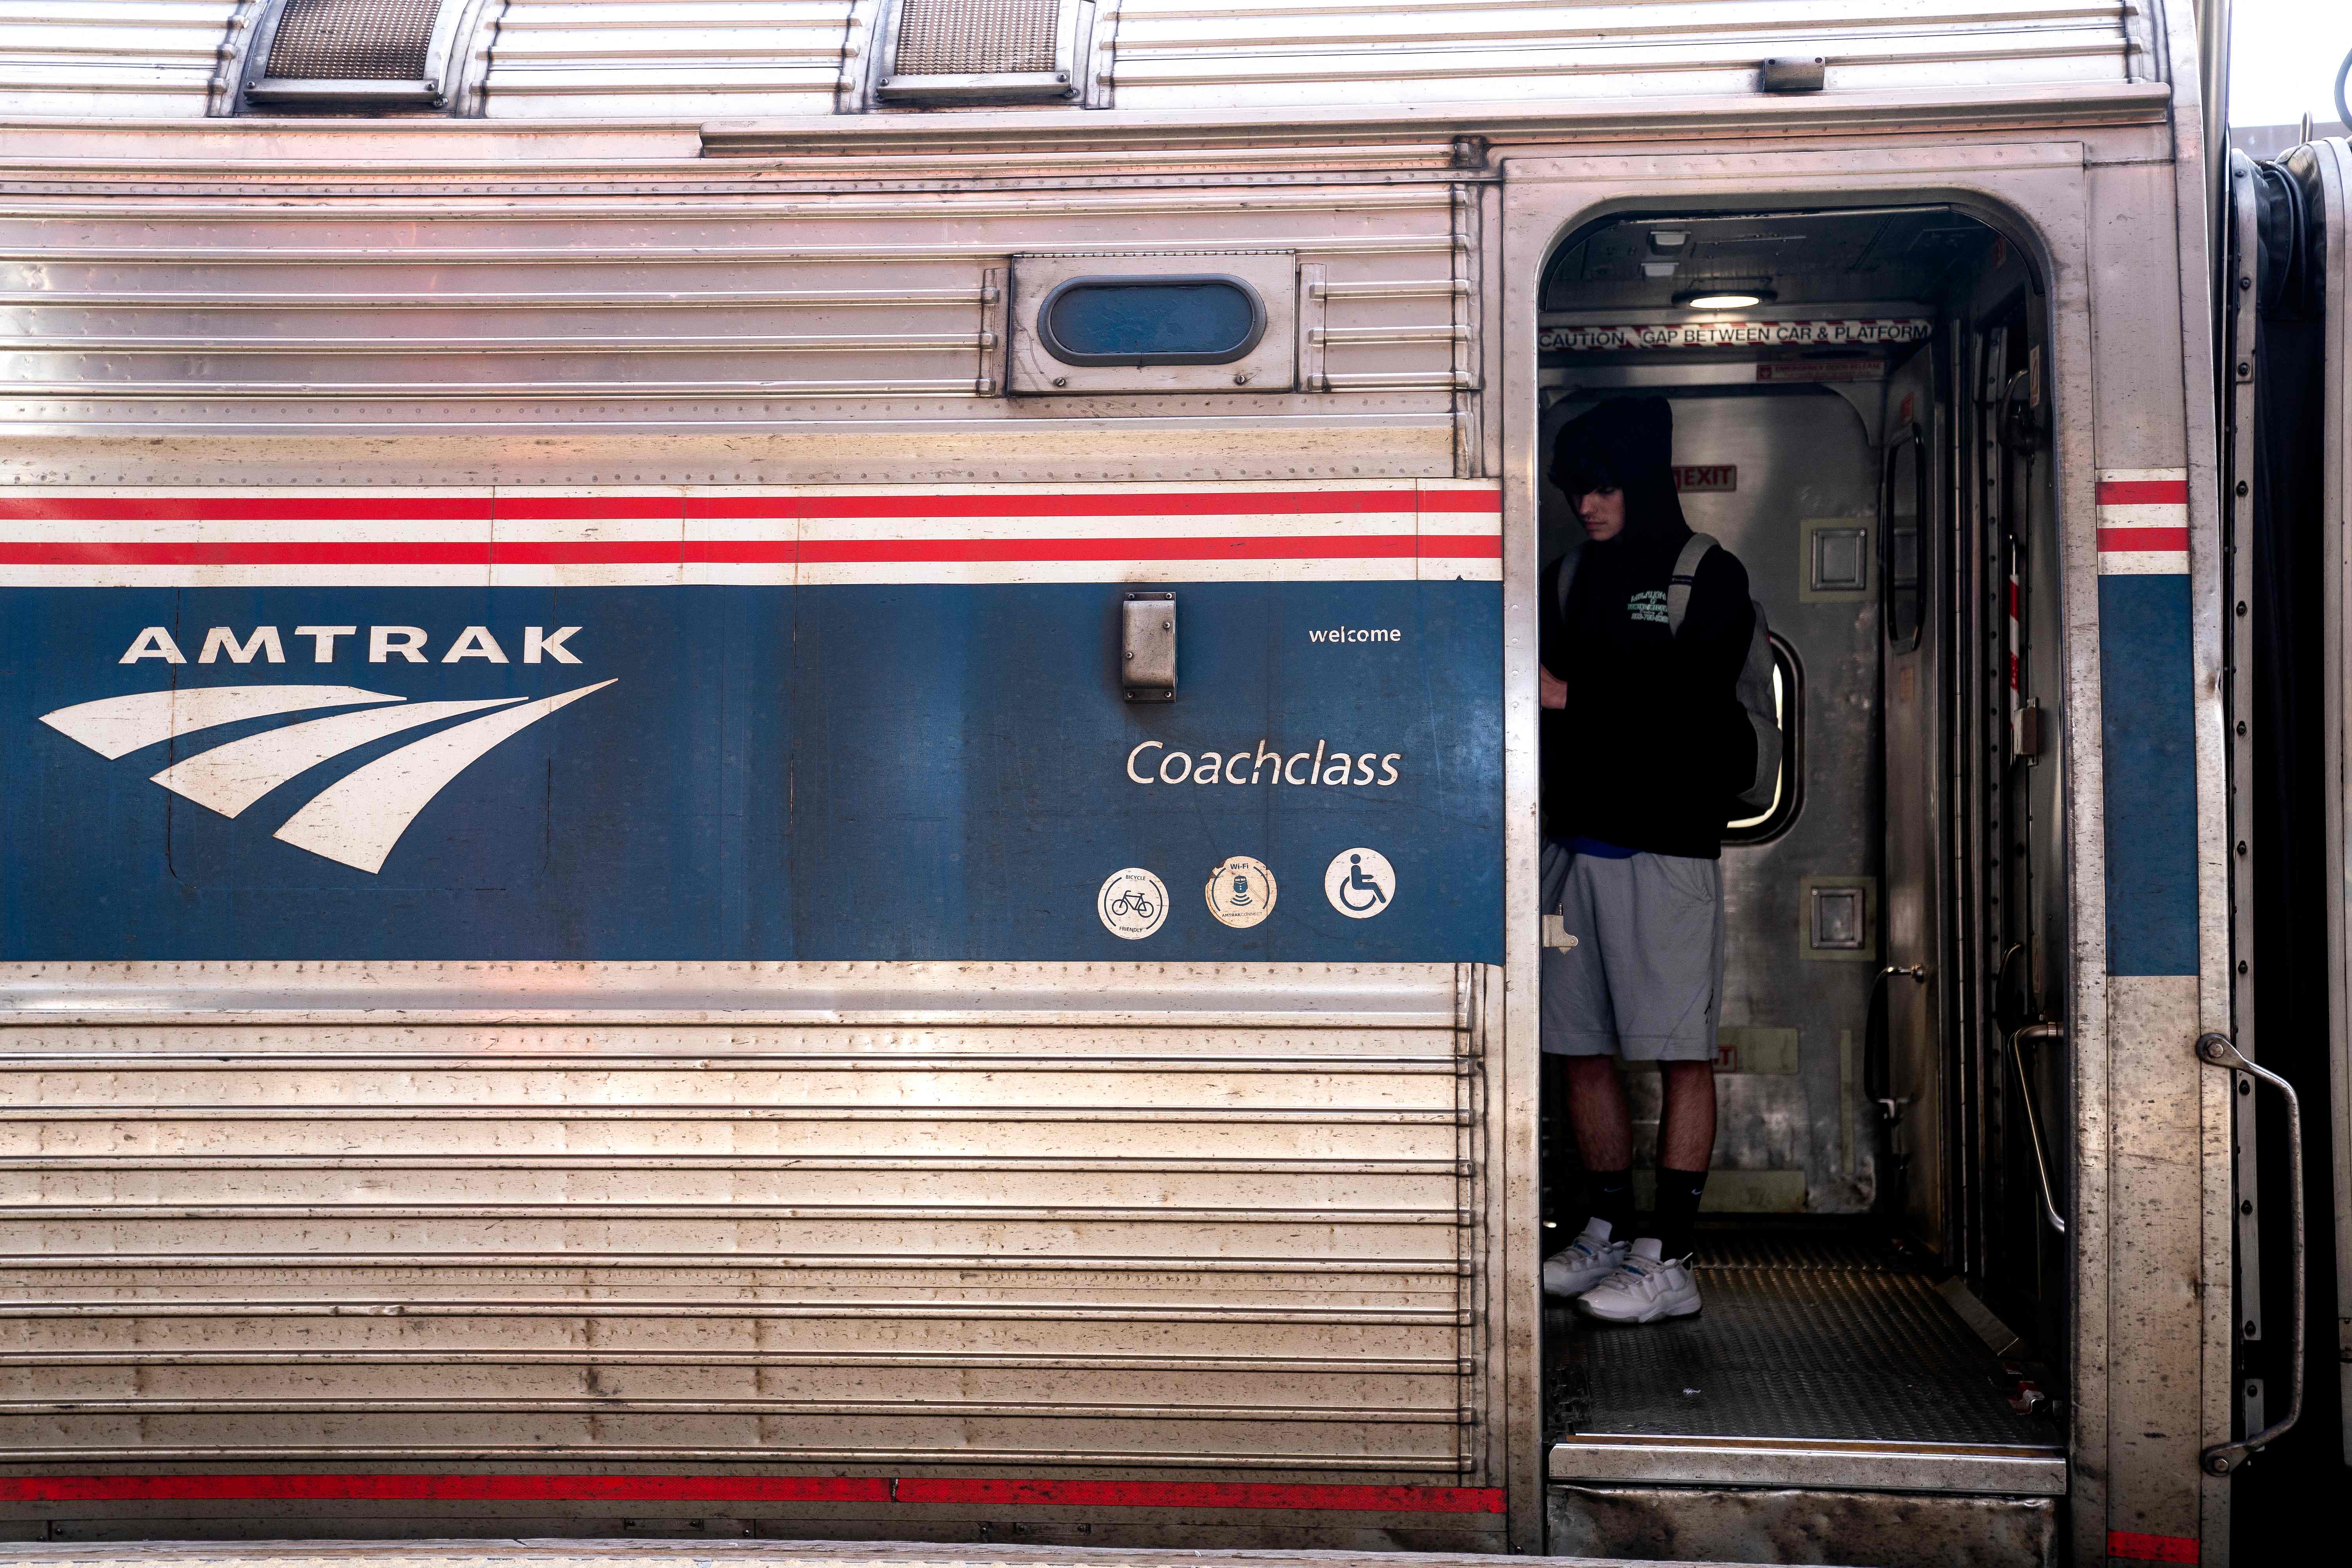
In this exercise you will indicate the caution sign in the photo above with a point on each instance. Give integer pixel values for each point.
(1608, 338)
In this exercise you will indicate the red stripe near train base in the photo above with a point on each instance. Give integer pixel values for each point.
(985, 1491)
(2143, 492)
(444, 1489)
(1205, 1494)
(2134, 1547)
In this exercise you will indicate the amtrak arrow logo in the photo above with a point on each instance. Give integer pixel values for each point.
(357, 819)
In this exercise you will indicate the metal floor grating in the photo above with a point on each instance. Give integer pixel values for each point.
(1812, 1335)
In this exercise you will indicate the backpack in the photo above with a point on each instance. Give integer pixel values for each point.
(1754, 686)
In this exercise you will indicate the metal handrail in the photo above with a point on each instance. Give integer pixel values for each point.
(2218, 1050)
(2032, 1121)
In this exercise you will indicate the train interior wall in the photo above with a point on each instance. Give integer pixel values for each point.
(1876, 1254)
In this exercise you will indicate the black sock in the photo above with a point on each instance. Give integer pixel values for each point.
(1608, 1194)
(1677, 1209)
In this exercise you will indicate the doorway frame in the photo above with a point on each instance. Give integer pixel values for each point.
(2149, 1349)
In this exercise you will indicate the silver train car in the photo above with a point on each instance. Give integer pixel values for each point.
(628, 627)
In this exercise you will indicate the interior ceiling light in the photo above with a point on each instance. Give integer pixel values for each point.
(1724, 297)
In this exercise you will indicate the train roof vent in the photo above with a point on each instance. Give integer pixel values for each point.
(980, 51)
(349, 55)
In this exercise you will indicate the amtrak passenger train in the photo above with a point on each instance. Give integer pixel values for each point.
(768, 768)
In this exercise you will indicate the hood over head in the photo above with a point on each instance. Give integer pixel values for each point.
(1626, 444)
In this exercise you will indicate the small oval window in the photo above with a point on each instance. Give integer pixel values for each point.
(1206, 319)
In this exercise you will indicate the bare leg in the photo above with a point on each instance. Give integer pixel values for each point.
(1597, 1109)
(1686, 1131)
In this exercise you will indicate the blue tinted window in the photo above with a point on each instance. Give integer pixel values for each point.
(1151, 320)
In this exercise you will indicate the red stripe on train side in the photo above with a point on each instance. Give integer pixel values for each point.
(1462, 501)
(488, 507)
(670, 552)
(993, 1491)
(2143, 492)
(1200, 504)
(2144, 539)
(1369, 547)
(1205, 1494)
(2133, 1546)
(308, 553)
(427, 1488)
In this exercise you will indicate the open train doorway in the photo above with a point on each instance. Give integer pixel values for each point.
(1860, 410)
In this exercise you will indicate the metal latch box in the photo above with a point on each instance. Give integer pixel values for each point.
(1148, 647)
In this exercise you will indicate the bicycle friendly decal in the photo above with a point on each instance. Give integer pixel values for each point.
(1133, 903)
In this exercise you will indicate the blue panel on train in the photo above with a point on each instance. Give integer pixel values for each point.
(742, 773)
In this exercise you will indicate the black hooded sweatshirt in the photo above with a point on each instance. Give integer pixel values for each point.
(1653, 747)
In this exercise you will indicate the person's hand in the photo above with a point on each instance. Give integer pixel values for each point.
(1551, 690)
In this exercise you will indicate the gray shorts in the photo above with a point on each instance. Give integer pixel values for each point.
(1645, 980)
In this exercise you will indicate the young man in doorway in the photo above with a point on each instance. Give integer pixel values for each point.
(1645, 748)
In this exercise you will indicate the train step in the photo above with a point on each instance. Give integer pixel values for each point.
(1831, 1401)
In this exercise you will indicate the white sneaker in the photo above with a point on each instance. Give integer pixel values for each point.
(1584, 1262)
(1644, 1288)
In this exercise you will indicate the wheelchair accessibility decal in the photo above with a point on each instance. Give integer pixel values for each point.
(1360, 882)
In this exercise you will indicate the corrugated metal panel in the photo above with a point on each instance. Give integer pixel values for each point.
(687, 59)
(406, 312)
(713, 59)
(111, 59)
(1179, 54)
(1241, 1237)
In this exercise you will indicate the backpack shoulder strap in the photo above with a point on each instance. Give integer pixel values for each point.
(1678, 588)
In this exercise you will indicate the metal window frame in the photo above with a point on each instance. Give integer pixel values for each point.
(1053, 346)
(259, 90)
(1059, 85)
(1270, 364)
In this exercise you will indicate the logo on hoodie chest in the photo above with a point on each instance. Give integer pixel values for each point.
(1649, 604)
